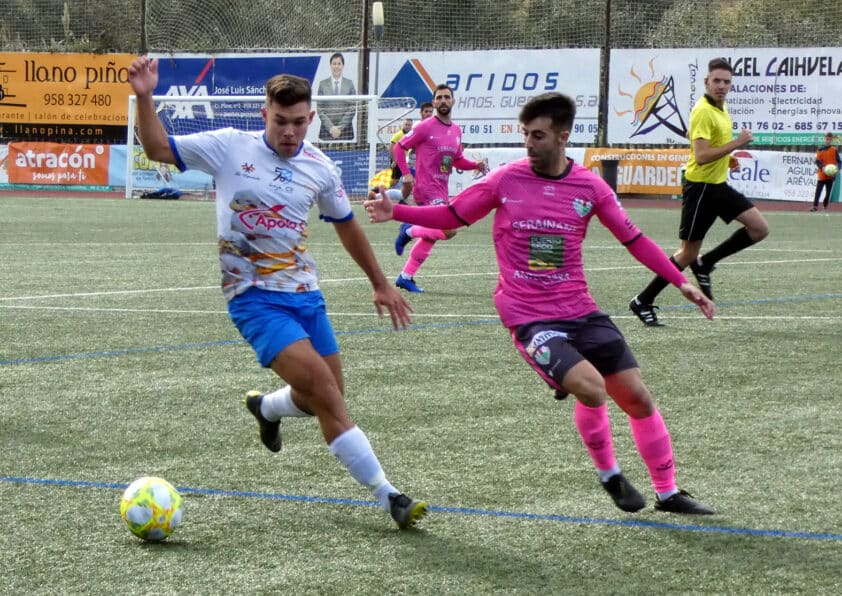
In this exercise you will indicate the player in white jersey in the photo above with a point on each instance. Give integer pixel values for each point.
(266, 184)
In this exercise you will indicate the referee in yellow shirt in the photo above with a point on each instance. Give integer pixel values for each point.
(706, 193)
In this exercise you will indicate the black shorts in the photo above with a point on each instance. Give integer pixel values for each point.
(703, 203)
(553, 347)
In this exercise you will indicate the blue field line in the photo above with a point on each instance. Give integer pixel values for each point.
(107, 353)
(216, 344)
(452, 510)
(415, 327)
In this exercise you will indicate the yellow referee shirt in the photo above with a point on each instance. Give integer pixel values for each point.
(714, 124)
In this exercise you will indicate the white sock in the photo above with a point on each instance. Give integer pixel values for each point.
(605, 475)
(666, 495)
(279, 404)
(354, 452)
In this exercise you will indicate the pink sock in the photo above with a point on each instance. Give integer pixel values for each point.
(653, 443)
(417, 256)
(595, 430)
(427, 233)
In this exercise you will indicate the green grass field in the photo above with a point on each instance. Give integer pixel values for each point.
(117, 360)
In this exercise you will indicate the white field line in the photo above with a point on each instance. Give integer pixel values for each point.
(373, 313)
(363, 279)
(469, 316)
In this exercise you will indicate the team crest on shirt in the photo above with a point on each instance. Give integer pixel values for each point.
(282, 175)
(582, 207)
(247, 171)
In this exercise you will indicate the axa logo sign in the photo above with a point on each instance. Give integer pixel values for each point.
(187, 109)
(173, 82)
(649, 102)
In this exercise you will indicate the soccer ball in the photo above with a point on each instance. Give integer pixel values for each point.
(830, 170)
(151, 507)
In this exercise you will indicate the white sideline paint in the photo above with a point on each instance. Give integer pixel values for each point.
(364, 279)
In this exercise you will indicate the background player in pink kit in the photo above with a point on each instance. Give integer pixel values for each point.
(438, 149)
(543, 205)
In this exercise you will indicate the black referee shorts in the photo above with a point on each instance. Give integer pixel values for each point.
(703, 203)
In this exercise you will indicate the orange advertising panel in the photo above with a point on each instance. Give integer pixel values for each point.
(64, 97)
(55, 163)
(642, 171)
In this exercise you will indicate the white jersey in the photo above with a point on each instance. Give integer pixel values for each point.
(262, 206)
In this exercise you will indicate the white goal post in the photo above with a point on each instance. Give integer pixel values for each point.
(358, 157)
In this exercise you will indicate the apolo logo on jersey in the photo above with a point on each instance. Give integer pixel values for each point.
(256, 220)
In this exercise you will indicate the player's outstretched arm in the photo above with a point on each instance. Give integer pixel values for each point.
(694, 295)
(386, 296)
(143, 77)
(378, 206)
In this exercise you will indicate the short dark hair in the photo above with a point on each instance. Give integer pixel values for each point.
(442, 87)
(426, 104)
(560, 109)
(288, 90)
(337, 55)
(720, 64)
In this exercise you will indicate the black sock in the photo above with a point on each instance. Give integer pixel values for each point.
(655, 287)
(737, 242)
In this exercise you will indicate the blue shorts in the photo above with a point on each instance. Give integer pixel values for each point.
(270, 321)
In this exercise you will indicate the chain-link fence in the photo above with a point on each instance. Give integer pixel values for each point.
(412, 25)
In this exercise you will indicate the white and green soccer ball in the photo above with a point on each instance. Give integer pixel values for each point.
(830, 170)
(151, 508)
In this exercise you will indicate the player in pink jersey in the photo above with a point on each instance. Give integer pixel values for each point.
(543, 205)
(437, 143)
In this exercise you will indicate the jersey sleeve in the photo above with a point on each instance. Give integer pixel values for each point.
(203, 151)
(478, 200)
(612, 215)
(400, 159)
(412, 138)
(469, 206)
(332, 200)
(463, 163)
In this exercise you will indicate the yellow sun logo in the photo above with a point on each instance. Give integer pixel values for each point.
(653, 104)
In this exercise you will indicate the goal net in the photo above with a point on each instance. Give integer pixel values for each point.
(352, 130)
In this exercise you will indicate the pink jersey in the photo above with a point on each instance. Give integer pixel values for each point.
(539, 227)
(438, 149)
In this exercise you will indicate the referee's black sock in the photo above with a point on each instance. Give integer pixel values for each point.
(738, 241)
(656, 286)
